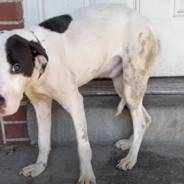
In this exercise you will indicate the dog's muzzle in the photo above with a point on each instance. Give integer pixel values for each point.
(2, 105)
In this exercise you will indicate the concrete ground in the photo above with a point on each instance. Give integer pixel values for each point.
(157, 164)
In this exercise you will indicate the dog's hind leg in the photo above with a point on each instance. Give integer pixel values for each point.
(134, 89)
(131, 92)
(118, 85)
(141, 122)
(135, 77)
(125, 144)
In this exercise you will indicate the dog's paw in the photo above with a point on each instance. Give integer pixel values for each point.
(127, 163)
(87, 179)
(33, 170)
(123, 144)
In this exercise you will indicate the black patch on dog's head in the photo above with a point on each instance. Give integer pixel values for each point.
(23, 52)
(57, 24)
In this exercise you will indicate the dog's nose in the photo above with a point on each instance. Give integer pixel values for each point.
(2, 101)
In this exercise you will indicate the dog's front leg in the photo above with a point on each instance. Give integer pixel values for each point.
(74, 105)
(43, 114)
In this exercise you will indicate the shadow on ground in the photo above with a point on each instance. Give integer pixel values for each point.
(156, 165)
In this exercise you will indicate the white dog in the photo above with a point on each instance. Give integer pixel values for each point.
(51, 60)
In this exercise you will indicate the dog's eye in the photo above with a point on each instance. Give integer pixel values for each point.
(16, 68)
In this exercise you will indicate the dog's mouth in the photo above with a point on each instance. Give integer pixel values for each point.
(7, 111)
(3, 112)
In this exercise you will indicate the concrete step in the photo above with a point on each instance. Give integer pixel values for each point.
(157, 164)
(164, 101)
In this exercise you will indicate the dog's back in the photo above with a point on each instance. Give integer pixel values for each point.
(97, 34)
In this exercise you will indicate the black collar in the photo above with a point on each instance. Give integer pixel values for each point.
(36, 37)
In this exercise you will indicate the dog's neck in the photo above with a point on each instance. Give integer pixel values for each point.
(34, 82)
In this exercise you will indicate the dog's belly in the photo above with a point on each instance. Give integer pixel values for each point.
(99, 58)
(102, 68)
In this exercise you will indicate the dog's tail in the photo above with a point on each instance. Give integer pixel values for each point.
(121, 106)
(119, 87)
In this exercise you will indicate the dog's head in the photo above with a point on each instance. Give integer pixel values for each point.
(19, 58)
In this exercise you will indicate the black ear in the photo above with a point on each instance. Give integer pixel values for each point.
(28, 54)
(39, 55)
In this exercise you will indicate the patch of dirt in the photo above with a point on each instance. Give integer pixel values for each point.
(12, 149)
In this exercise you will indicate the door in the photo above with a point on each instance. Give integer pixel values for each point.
(166, 15)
